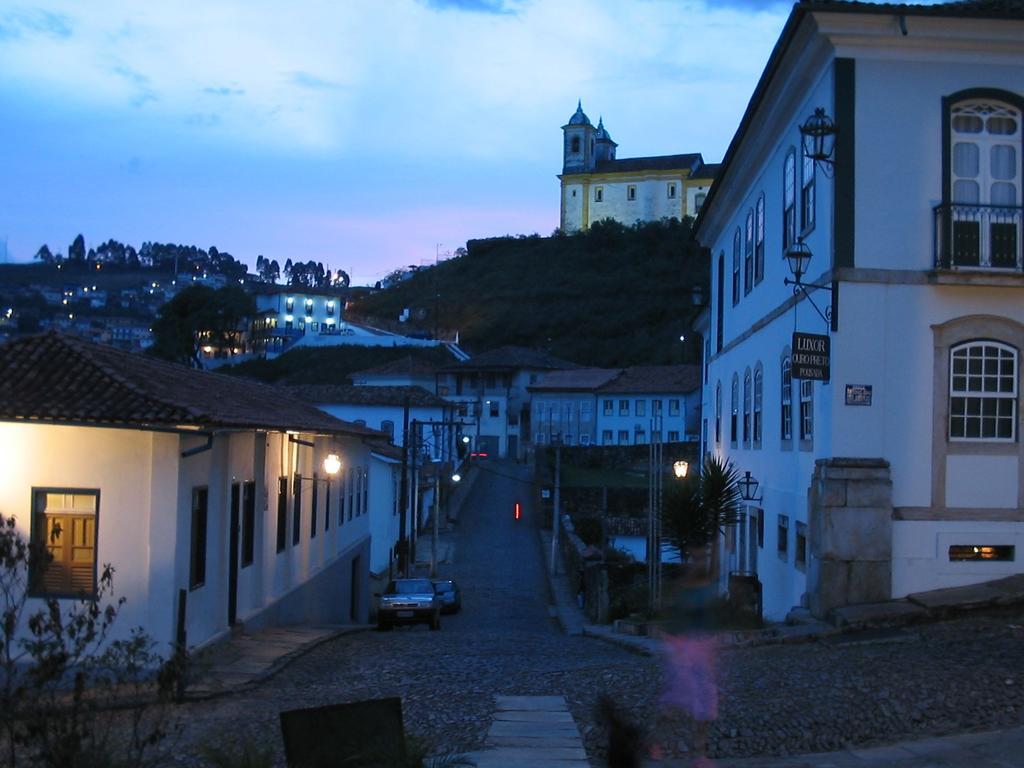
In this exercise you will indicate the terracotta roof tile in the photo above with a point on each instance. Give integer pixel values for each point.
(51, 377)
(352, 395)
(655, 378)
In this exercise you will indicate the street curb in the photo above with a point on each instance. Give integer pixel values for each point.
(274, 667)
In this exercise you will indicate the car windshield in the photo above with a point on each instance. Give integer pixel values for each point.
(409, 587)
(444, 586)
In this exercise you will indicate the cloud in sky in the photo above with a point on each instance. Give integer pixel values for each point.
(367, 110)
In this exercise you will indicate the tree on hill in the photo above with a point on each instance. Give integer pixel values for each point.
(199, 315)
(44, 255)
(76, 251)
(610, 296)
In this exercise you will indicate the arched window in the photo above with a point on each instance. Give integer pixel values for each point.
(983, 391)
(789, 200)
(735, 413)
(787, 399)
(575, 144)
(759, 240)
(720, 308)
(718, 413)
(807, 195)
(758, 404)
(748, 255)
(985, 182)
(736, 245)
(747, 403)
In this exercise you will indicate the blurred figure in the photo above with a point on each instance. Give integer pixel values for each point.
(691, 653)
(624, 739)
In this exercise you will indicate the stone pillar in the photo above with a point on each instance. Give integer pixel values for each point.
(849, 519)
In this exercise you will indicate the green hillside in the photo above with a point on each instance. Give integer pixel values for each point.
(611, 296)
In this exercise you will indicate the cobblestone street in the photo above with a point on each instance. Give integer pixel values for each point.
(867, 689)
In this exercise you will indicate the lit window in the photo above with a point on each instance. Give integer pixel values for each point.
(983, 391)
(64, 522)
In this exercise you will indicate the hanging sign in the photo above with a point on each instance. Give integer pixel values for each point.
(811, 356)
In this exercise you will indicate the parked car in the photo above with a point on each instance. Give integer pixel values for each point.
(409, 601)
(451, 596)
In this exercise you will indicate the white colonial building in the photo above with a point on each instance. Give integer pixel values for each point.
(596, 185)
(904, 470)
(225, 500)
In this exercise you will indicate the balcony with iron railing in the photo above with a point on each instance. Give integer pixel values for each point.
(987, 238)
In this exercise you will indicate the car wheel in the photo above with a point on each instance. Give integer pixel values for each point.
(383, 626)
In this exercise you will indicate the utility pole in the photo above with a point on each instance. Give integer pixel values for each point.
(403, 494)
(437, 513)
(555, 522)
(654, 503)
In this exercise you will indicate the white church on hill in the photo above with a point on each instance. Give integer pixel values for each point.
(596, 185)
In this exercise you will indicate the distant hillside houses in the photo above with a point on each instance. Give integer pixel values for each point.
(596, 185)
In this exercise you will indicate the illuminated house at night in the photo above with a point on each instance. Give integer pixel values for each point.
(253, 505)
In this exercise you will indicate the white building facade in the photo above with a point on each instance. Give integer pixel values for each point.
(904, 471)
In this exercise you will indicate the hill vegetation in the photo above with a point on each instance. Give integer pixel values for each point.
(611, 296)
(330, 365)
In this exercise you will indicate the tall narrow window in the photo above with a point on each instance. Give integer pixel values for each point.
(248, 523)
(341, 498)
(296, 508)
(983, 391)
(736, 247)
(748, 255)
(351, 484)
(282, 513)
(807, 195)
(366, 490)
(789, 200)
(64, 523)
(313, 499)
(758, 404)
(718, 413)
(327, 505)
(197, 556)
(631, 192)
(747, 403)
(671, 191)
(598, 194)
(985, 168)
(806, 409)
(720, 304)
(735, 412)
(787, 400)
(759, 240)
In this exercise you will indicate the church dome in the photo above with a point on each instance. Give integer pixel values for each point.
(579, 116)
(602, 133)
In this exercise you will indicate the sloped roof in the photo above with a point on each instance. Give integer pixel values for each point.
(403, 366)
(984, 8)
(655, 378)
(352, 395)
(659, 163)
(706, 171)
(512, 358)
(56, 378)
(574, 379)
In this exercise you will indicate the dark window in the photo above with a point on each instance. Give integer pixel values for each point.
(737, 245)
(783, 532)
(759, 241)
(313, 499)
(720, 306)
(296, 508)
(747, 401)
(807, 195)
(282, 513)
(631, 192)
(327, 505)
(800, 553)
(758, 406)
(718, 413)
(341, 497)
(197, 558)
(575, 144)
(787, 400)
(789, 201)
(494, 408)
(748, 255)
(64, 522)
(248, 523)
(983, 391)
(351, 491)
(735, 410)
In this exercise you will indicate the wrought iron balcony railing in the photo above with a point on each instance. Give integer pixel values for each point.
(986, 237)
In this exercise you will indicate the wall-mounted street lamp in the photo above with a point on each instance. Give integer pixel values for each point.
(680, 468)
(798, 257)
(332, 464)
(456, 478)
(748, 487)
(818, 137)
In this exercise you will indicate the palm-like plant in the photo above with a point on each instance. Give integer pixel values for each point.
(697, 508)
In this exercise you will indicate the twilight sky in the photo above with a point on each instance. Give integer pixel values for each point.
(366, 134)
